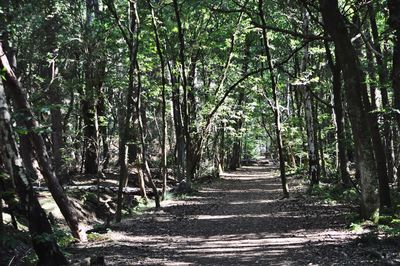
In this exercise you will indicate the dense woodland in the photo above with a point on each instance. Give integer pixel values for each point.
(156, 95)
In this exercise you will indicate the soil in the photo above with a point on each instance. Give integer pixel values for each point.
(241, 220)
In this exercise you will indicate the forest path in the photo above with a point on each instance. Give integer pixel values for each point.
(238, 220)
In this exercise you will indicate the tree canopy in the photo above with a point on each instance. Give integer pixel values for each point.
(154, 96)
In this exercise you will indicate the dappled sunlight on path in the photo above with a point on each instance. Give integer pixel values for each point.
(237, 220)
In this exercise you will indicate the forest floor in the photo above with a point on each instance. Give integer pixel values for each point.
(241, 219)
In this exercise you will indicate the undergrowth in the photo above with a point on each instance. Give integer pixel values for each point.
(334, 194)
(389, 220)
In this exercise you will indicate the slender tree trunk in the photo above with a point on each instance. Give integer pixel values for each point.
(339, 115)
(178, 125)
(236, 152)
(379, 149)
(164, 171)
(189, 143)
(237, 144)
(311, 141)
(102, 114)
(396, 92)
(321, 151)
(132, 43)
(277, 117)
(383, 81)
(394, 23)
(51, 82)
(352, 73)
(313, 161)
(221, 144)
(39, 227)
(143, 148)
(56, 130)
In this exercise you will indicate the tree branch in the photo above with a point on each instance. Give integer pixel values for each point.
(113, 11)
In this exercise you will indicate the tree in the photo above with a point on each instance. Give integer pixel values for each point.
(276, 107)
(39, 227)
(164, 170)
(354, 85)
(339, 114)
(21, 105)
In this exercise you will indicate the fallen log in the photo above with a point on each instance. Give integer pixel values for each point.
(95, 188)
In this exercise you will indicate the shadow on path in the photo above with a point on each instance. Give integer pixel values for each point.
(238, 220)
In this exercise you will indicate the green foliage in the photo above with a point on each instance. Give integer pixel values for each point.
(30, 258)
(332, 194)
(95, 237)
(219, 49)
(63, 238)
(356, 227)
(89, 196)
(390, 230)
(3, 72)
(388, 225)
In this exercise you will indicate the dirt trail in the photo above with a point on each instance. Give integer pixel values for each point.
(238, 220)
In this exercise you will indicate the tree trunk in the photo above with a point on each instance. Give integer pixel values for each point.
(394, 23)
(40, 230)
(190, 144)
(379, 149)
(164, 170)
(56, 129)
(334, 24)
(1, 203)
(21, 105)
(237, 145)
(313, 162)
(311, 141)
(396, 87)
(178, 125)
(221, 144)
(132, 43)
(142, 129)
(24, 142)
(383, 81)
(102, 114)
(51, 82)
(369, 107)
(277, 117)
(339, 115)
(89, 102)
